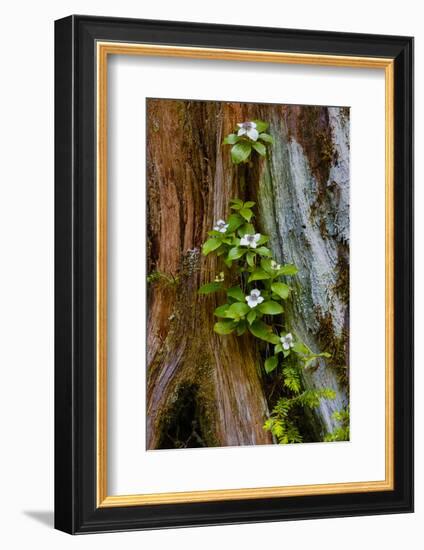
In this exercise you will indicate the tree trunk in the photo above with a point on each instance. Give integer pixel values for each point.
(208, 390)
(304, 206)
(201, 388)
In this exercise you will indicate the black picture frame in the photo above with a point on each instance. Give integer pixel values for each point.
(76, 510)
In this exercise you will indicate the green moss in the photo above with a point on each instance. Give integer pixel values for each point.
(315, 136)
(188, 416)
(336, 345)
(342, 286)
(163, 279)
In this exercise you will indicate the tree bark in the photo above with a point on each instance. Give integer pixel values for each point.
(303, 196)
(208, 390)
(190, 182)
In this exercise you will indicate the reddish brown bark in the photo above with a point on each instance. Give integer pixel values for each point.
(190, 181)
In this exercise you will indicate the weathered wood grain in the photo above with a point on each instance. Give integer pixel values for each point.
(215, 383)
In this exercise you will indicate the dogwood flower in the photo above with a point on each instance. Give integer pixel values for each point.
(287, 341)
(249, 129)
(221, 226)
(254, 298)
(220, 278)
(250, 240)
(274, 265)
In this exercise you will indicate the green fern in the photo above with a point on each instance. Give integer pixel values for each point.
(342, 432)
(292, 379)
(282, 427)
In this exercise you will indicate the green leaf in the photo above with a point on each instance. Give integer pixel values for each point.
(299, 347)
(237, 202)
(271, 363)
(237, 310)
(210, 245)
(240, 152)
(235, 253)
(264, 332)
(281, 289)
(250, 257)
(271, 308)
(266, 137)
(261, 125)
(263, 239)
(249, 204)
(259, 148)
(228, 263)
(308, 361)
(234, 222)
(225, 327)
(210, 287)
(231, 139)
(266, 266)
(241, 328)
(251, 316)
(288, 269)
(258, 275)
(246, 213)
(278, 348)
(221, 310)
(246, 229)
(264, 251)
(236, 293)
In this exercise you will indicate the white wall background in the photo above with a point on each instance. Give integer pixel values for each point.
(26, 274)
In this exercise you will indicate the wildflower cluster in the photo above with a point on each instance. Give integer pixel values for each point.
(263, 286)
(248, 137)
(255, 303)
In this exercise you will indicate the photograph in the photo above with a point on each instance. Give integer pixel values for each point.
(233, 252)
(247, 265)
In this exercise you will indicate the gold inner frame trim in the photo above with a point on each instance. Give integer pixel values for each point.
(103, 50)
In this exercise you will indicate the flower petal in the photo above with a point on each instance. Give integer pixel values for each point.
(241, 132)
(257, 237)
(255, 292)
(253, 134)
(260, 300)
(244, 241)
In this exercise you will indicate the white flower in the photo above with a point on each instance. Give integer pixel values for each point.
(274, 265)
(287, 341)
(250, 240)
(254, 298)
(221, 226)
(249, 129)
(220, 278)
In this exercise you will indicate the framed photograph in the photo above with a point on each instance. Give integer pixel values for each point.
(234, 274)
